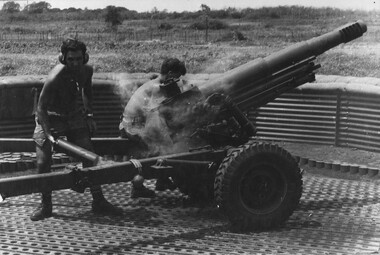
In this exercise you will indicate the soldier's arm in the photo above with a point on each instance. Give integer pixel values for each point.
(46, 95)
(87, 91)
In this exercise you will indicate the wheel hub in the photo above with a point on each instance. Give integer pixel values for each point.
(261, 189)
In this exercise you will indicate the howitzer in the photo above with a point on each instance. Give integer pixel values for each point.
(256, 184)
(261, 80)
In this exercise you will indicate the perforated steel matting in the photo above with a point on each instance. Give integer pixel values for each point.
(335, 217)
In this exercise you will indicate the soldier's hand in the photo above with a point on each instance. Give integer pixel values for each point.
(51, 138)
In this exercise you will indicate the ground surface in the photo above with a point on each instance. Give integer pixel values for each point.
(338, 214)
(337, 155)
(335, 216)
(330, 152)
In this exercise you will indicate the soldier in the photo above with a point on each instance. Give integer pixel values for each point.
(144, 126)
(59, 113)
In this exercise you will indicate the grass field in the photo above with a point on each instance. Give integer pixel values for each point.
(358, 58)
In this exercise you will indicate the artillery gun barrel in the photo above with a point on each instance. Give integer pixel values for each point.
(249, 74)
(269, 89)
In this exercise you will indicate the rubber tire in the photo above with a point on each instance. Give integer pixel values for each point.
(237, 182)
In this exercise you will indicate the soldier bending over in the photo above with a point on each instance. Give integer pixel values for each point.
(59, 113)
(142, 124)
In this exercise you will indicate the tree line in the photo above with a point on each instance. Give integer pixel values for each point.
(43, 10)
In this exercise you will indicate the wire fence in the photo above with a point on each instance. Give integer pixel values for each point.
(188, 36)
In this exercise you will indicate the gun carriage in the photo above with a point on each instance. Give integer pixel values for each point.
(256, 184)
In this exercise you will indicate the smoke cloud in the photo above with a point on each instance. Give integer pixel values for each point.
(169, 128)
(127, 84)
(176, 122)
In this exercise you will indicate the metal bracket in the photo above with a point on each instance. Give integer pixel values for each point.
(81, 181)
(160, 165)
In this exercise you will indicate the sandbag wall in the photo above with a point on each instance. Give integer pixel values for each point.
(334, 110)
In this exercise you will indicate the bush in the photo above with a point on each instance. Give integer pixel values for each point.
(6, 69)
(230, 36)
(238, 36)
(274, 15)
(165, 26)
(18, 17)
(217, 24)
(212, 24)
(198, 26)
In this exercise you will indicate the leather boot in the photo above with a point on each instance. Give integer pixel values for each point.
(142, 191)
(103, 207)
(100, 205)
(165, 183)
(44, 210)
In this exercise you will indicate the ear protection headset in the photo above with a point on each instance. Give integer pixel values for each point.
(73, 44)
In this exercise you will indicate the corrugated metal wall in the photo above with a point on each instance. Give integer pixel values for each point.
(17, 128)
(107, 111)
(298, 117)
(340, 114)
(359, 125)
(334, 111)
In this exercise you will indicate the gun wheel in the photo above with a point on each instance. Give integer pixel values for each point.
(258, 186)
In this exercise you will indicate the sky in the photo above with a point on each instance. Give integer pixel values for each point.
(194, 5)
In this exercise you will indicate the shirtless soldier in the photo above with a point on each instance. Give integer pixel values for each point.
(143, 126)
(59, 114)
